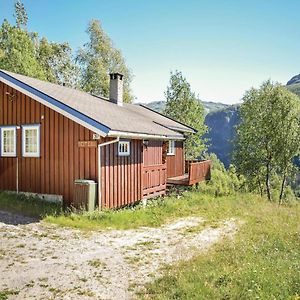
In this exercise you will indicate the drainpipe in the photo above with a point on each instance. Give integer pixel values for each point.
(99, 168)
(17, 160)
(17, 174)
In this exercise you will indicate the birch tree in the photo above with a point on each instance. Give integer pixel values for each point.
(183, 106)
(268, 135)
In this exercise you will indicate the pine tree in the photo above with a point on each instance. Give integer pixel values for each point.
(20, 14)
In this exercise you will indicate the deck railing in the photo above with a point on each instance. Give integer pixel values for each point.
(198, 170)
(154, 180)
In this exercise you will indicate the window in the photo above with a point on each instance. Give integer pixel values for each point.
(171, 149)
(31, 140)
(124, 148)
(8, 141)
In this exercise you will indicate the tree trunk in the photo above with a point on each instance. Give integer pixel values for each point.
(260, 188)
(268, 181)
(282, 188)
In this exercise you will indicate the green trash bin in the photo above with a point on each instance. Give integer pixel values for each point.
(85, 194)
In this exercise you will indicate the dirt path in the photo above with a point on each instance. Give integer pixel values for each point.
(40, 261)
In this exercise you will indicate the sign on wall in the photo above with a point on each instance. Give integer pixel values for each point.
(87, 144)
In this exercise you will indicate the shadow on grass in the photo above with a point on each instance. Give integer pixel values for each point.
(21, 209)
(16, 219)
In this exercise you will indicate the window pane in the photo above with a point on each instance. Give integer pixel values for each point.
(124, 148)
(31, 140)
(171, 149)
(8, 140)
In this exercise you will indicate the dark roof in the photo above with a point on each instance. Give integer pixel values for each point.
(98, 112)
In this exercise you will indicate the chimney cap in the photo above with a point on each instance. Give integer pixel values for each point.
(115, 75)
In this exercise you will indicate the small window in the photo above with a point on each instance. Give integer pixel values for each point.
(124, 148)
(171, 149)
(8, 141)
(31, 140)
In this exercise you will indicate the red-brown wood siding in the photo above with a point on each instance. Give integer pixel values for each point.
(175, 163)
(154, 173)
(121, 175)
(124, 180)
(153, 153)
(61, 161)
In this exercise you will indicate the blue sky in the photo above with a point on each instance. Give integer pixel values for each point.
(222, 47)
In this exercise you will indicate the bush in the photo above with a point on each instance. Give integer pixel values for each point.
(223, 182)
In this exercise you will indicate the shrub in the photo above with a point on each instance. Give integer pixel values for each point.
(223, 182)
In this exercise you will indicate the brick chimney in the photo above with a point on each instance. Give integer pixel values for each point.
(116, 88)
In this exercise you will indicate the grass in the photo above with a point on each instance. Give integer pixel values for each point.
(96, 263)
(5, 294)
(28, 206)
(262, 262)
(157, 212)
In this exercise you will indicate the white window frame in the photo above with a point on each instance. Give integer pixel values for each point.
(9, 154)
(124, 153)
(171, 147)
(30, 127)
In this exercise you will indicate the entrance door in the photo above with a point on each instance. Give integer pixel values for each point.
(154, 171)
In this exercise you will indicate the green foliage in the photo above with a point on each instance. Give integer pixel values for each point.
(26, 53)
(97, 59)
(183, 106)
(261, 262)
(57, 62)
(20, 14)
(268, 136)
(18, 52)
(223, 182)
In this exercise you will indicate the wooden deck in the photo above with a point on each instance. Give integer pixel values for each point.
(179, 180)
(197, 171)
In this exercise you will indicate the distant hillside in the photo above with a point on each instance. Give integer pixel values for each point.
(208, 105)
(295, 88)
(221, 120)
(294, 85)
(294, 80)
(222, 132)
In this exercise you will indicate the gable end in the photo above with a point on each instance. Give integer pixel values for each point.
(54, 104)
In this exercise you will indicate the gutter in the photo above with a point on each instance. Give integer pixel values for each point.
(99, 169)
(114, 133)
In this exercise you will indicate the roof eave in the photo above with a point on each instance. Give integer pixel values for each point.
(54, 104)
(137, 135)
(189, 129)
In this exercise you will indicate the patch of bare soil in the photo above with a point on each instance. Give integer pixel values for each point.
(39, 261)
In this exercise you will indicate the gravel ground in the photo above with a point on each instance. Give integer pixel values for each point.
(41, 261)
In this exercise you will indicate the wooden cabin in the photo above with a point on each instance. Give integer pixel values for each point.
(52, 135)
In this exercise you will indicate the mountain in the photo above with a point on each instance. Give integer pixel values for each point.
(295, 88)
(221, 120)
(208, 105)
(294, 80)
(293, 85)
(222, 131)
